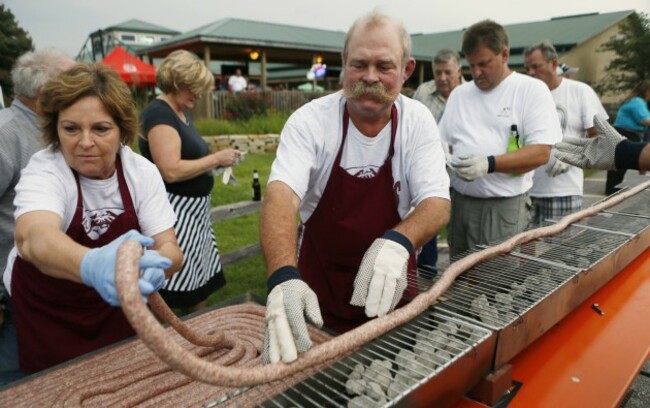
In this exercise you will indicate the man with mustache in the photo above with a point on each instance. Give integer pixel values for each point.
(365, 169)
(499, 128)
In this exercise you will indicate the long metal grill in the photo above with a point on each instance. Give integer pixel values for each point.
(385, 370)
(497, 292)
(499, 296)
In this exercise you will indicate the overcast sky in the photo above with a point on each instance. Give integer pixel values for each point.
(66, 24)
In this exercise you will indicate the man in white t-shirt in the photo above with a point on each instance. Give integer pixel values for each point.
(498, 128)
(557, 186)
(366, 170)
(237, 83)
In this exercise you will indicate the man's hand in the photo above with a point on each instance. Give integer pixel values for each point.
(591, 153)
(470, 167)
(98, 268)
(381, 279)
(289, 305)
(555, 167)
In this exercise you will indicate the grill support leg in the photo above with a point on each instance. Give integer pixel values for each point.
(494, 386)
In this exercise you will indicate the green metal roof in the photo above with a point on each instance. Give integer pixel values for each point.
(261, 34)
(563, 32)
(141, 27)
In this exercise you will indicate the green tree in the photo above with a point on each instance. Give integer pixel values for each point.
(14, 42)
(632, 61)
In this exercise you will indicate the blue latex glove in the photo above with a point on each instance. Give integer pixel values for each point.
(98, 268)
(153, 277)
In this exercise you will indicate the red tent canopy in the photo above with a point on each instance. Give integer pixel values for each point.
(132, 70)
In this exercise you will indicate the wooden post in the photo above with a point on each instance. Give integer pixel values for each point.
(421, 74)
(263, 80)
(209, 103)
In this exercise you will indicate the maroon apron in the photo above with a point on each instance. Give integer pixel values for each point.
(57, 319)
(350, 215)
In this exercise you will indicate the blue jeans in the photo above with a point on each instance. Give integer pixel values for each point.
(9, 370)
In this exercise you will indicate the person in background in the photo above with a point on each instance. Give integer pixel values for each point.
(237, 82)
(447, 75)
(170, 140)
(76, 202)
(631, 121)
(608, 151)
(557, 187)
(499, 128)
(20, 138)
(434, 94)
(355, 163)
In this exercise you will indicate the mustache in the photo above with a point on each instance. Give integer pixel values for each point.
(376, 90)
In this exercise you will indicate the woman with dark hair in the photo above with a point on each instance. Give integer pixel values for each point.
(631, 121)
(76, 202)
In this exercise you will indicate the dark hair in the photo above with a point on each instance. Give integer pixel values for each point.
(80, 81)
(485, 33)
(641, 90)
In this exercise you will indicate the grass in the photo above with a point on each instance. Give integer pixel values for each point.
(271, 123)
(227, 194)
(248, 275)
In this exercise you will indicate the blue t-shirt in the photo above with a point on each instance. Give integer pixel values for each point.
(631, 113)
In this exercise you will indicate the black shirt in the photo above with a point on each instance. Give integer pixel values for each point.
(193, 146)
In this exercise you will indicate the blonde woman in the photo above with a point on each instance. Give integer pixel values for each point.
(173, 144)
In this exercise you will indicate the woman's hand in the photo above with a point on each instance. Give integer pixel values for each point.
(228, 157)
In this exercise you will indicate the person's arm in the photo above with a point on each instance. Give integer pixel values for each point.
(167, 245)
(608, 151)
(165, 146)
(41, 241)
(523, 160)
(278, 226)
(425, 221)
(644, 158)
(290, 303)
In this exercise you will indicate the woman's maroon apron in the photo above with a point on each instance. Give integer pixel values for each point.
(57, 319)
(350, 215)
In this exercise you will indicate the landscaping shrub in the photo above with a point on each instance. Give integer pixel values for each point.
(245, 105)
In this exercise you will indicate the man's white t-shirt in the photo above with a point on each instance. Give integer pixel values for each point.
(48, 184)
(312, 136)
(576, 105)
(237, 83)
(479, 122)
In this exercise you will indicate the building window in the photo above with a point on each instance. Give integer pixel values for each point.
(147, 39)
(128, 37)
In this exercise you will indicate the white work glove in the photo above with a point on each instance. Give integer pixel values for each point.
(289, 302)
(555, 167)
(591, 153)
(381, 279)
(470, 167)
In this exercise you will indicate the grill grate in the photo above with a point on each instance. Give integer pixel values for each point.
(387, 369)
(638, 204)
(498, 291)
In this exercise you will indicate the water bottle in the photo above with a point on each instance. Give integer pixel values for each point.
(257, 188)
